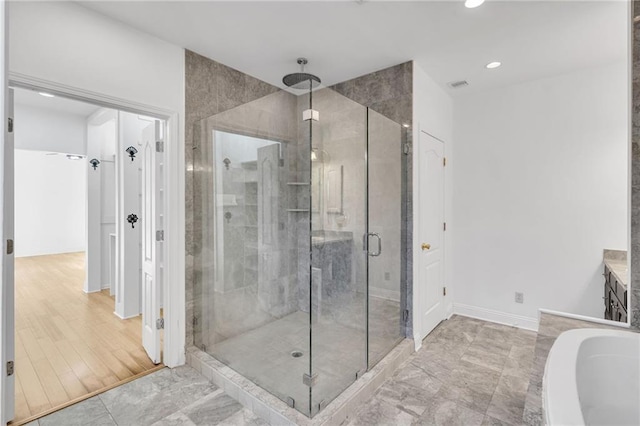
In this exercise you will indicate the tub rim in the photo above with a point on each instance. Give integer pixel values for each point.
(560, 381)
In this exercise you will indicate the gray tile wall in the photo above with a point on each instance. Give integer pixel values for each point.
(634, 300)
(210, 88)
(390, 92)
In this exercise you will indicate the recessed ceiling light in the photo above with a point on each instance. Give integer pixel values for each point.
(492, 65)
(473, 3)
(74, 157)
(46, 95)
(406, 125)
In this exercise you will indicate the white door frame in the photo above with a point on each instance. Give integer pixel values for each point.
(417, 308)
(7, 346)
(173, 283)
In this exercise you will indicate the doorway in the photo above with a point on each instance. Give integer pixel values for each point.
(81, 306)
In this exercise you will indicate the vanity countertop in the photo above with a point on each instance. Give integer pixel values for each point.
(616, 261)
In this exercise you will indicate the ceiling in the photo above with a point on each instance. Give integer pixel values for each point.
(345, 39)
(58, 104)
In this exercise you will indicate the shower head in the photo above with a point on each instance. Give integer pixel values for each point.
(301, 80)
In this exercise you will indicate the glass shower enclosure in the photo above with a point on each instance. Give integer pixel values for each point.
(298, 252)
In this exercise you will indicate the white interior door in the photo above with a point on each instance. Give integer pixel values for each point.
(151, 224)
(7, 313)
(431, 233)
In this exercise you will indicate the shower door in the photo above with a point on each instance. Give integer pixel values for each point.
(356, 190)
(338, 260)
(385, 323)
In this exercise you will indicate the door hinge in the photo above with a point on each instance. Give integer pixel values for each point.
(160, 324)
(444, 291)
(159, 146)
(194, 321)
(9, 246)
(405, 315)
(160, 235)
(405, 149)
(10, 125)
(444, 226)
(10, 368)
(444, 161)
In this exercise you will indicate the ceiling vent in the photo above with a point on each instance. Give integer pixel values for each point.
(458, 84)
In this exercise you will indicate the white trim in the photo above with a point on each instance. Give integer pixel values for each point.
(498, 317)
(30, 83)
(7, 317)
(174, 265)
(174, 252)
(584, 318)
(125, 318)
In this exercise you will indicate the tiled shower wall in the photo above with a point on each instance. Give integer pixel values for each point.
(210, 88)
(634, 301)
(390, 92)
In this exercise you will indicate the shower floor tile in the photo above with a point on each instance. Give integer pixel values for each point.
(264, 355)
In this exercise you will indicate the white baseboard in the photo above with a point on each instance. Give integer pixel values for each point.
(496, 316)
(383, 293)
(105, 286)
(124, 318)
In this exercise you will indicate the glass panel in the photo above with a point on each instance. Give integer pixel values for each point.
(250, 190)
(280, 265)
(385, 220)
(339, 264)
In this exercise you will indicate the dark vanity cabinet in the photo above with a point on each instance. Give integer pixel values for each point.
(615, 297)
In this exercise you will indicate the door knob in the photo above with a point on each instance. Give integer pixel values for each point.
(426, 246)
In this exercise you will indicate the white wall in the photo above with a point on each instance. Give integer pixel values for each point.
(432, 113)
(540, 189)
(49, 203)
(68, 44)
(42, 129)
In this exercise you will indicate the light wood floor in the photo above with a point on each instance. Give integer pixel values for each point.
(69, 344)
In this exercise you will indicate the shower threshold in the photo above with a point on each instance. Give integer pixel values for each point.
(272, 409)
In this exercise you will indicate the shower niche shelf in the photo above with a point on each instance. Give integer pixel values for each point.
(297, 210)
(298, 183)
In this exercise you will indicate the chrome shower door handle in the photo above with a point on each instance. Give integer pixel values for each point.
(375, 234)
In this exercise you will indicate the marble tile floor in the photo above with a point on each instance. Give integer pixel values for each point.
(468, 372)
(179, 396)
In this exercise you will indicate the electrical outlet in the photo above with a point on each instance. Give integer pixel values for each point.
(519, 297)
(387, 276)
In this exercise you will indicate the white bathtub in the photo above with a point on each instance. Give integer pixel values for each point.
(592, 377)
